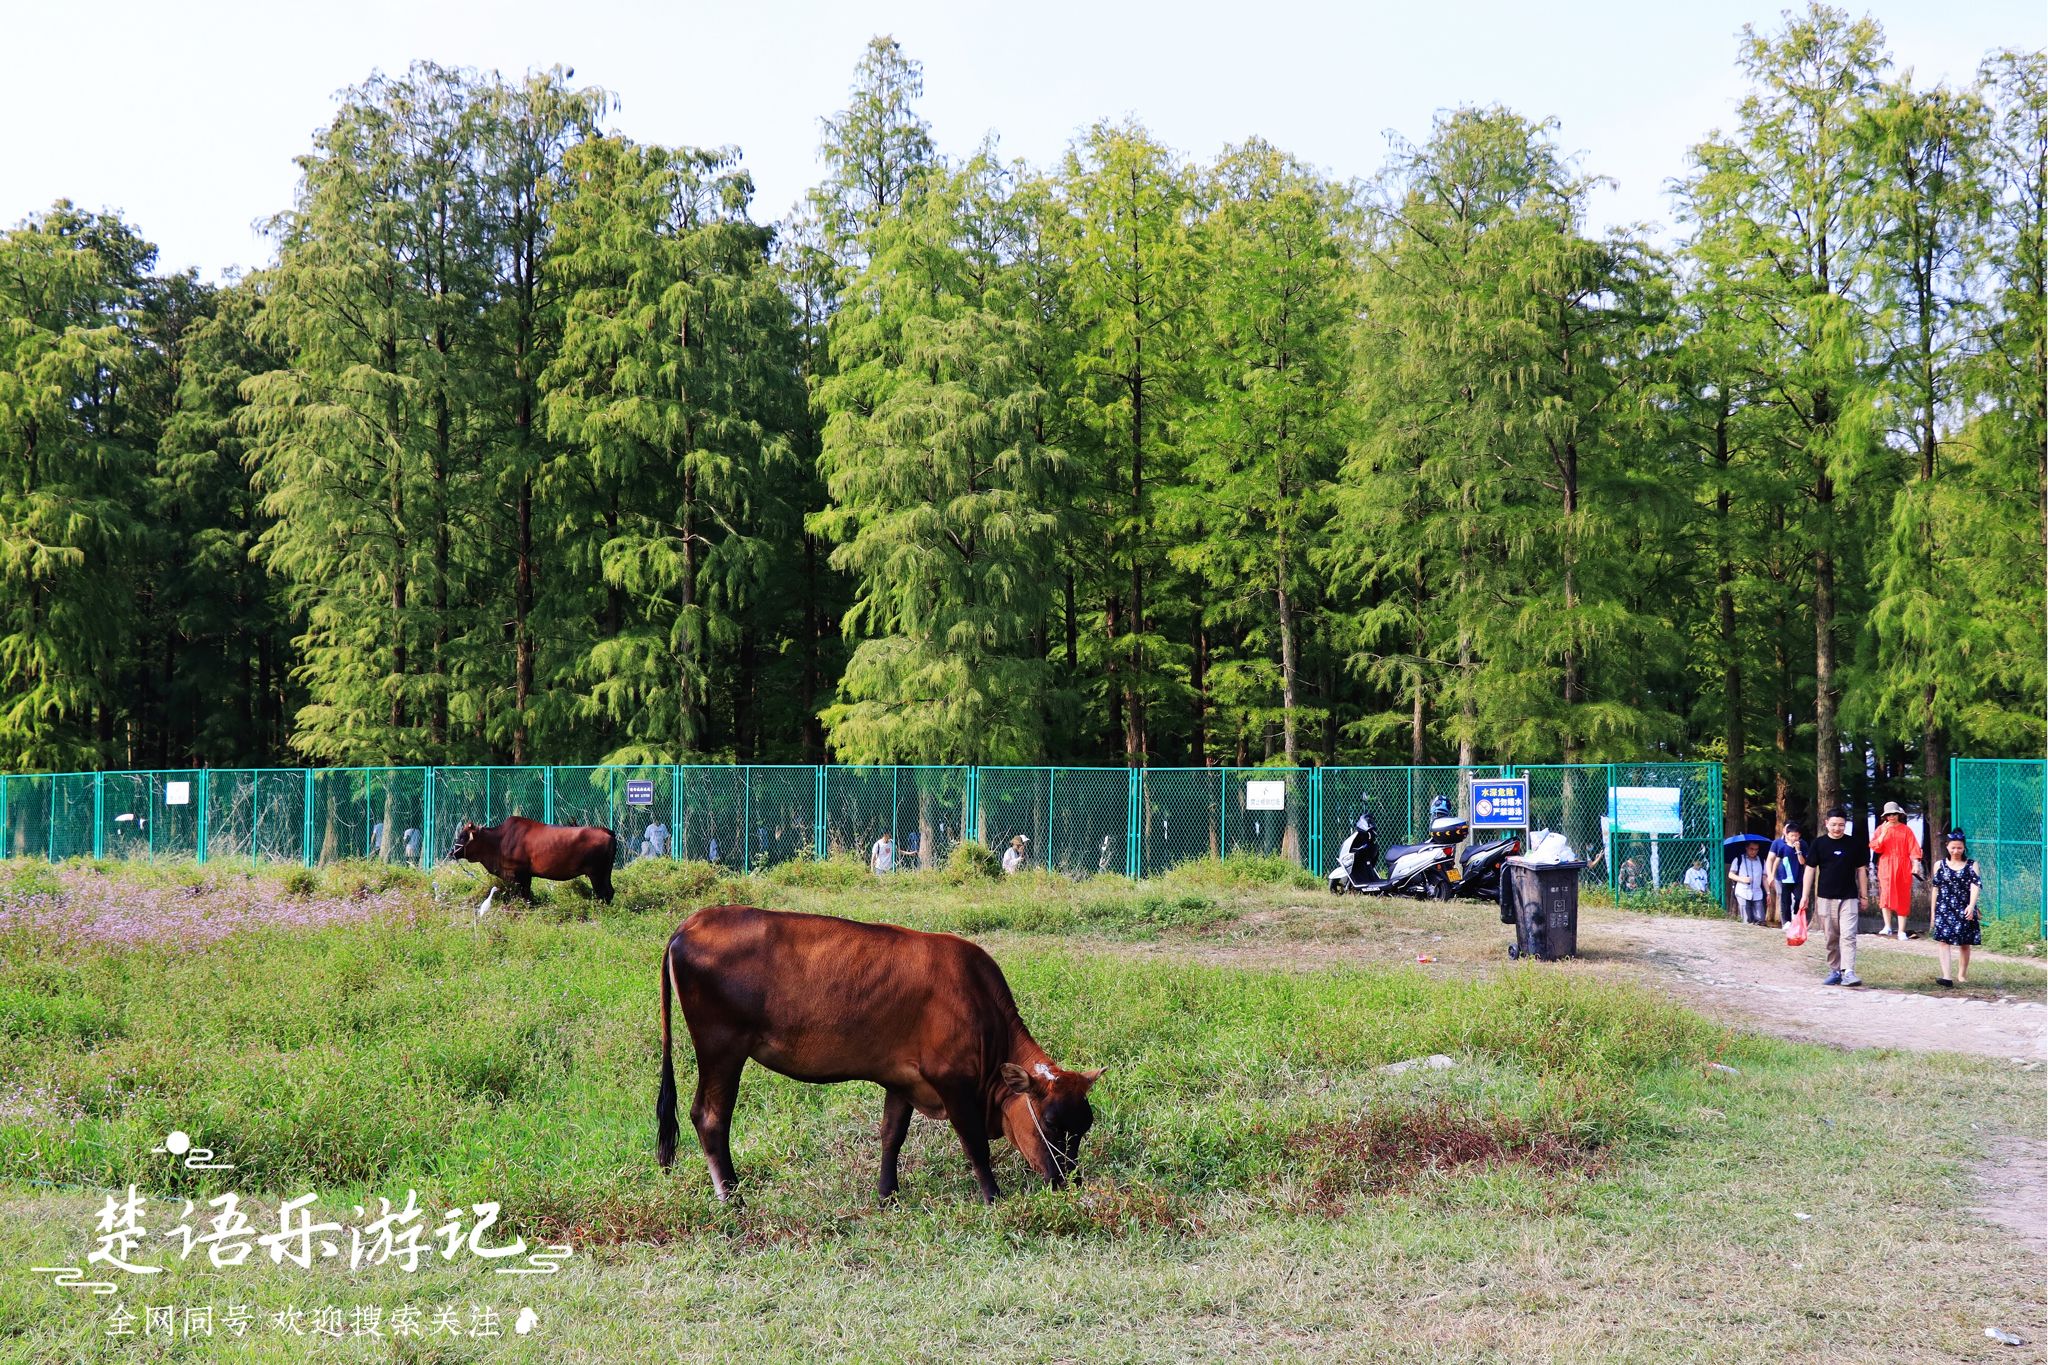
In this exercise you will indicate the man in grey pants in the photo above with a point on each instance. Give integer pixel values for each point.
(1837, 885)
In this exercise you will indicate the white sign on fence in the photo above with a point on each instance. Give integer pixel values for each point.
(1647, 810)
(1265, 796)
(177, 793)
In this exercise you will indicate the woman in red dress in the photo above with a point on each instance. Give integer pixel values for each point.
(1898, 855)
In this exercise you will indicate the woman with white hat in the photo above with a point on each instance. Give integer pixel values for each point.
(1898, 858)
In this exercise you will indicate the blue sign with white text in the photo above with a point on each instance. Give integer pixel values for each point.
(1501, 803)
(639, 793)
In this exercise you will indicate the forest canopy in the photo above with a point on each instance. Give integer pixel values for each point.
(536, 443)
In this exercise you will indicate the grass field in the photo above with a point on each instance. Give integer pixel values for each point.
(1602, 1176)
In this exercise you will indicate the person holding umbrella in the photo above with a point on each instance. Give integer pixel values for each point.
(1897, 850)
(1746, 872)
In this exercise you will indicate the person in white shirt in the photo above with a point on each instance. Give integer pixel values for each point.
(1747, 874)
(882, 857)
(1013, 856)
(1696, 877)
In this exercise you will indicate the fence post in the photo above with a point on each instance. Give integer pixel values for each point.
(99, 815)
(1134, 857)
(427, 821)
(1608, 842)
(820, 791)
(306, 843)
(547, 796)
(6, 840)
(1315, 818)
(50, 839)
(205, 791)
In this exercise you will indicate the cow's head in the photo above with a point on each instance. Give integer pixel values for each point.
(466, 842)
(1045, 1114)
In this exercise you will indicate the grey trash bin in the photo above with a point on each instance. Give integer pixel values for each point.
(1542, 901)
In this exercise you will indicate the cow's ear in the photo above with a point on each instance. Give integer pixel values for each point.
(1016, 1079)
(1088, 1078)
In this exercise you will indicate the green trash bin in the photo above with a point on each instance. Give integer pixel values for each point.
(1542, 901)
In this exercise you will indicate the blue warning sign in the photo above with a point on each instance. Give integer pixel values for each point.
(1501, 803)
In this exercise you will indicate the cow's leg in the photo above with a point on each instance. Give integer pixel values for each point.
(601, 883)
(895, 1125)
(718, 1085)
(525, 887)
(964, 1108)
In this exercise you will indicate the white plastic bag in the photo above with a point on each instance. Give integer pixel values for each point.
(1548, 846)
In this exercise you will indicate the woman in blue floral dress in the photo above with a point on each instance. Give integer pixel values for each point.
(1956, 887)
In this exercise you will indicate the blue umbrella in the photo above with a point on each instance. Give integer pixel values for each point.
(1737, 841)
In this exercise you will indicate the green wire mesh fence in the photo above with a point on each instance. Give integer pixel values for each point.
(1639, 826)
(2001, 804)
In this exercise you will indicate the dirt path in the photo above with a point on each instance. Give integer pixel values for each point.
(1748, 976)
(1741, 974)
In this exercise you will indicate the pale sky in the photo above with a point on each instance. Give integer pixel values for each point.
(185, 116)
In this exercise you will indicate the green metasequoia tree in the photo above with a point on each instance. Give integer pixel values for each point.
(1495, 502)
(674, 357)
(1787, 223)
(526, 133)
(71, 482)
(1134, 287)
(1999, 548)
(1265, 439)
(1924, 150)
(875, 150)
(939, 486)
(226, 636)
(366, 441)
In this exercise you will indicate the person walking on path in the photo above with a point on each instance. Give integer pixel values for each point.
(1837, 884)
(1747, 873)
(882, 857)
(1785, 869)
(1898, 857)
(1956, 888)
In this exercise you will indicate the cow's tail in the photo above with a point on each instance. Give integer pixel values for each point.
(665, 1128)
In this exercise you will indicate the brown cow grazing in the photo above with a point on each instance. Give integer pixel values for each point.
(520, 849)
(928, 1017)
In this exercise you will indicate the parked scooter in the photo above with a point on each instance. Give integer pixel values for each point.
(1412, 869)
(1479, 868)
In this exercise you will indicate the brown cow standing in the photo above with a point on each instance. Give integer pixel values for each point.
(520, 849)
(928, 1017)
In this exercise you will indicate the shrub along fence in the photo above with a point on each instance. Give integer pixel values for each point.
(2002, 805)
(1640, 826)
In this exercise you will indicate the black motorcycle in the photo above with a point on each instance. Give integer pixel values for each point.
(1479, 868)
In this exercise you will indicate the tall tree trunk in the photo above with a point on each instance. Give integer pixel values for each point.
(814, 636)
(1073, 629)
(687, 660)
(1736, 811)
(1827, 740)
(745, 724)
(1416, 730)
(1198, 682)
(1288, 662)
(1111, 618)
(522, 622)
(437, 718)
(398, 536)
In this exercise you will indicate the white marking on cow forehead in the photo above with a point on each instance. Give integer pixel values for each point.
(1045, 1071)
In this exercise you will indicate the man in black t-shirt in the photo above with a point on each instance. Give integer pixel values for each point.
(1837, 885)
